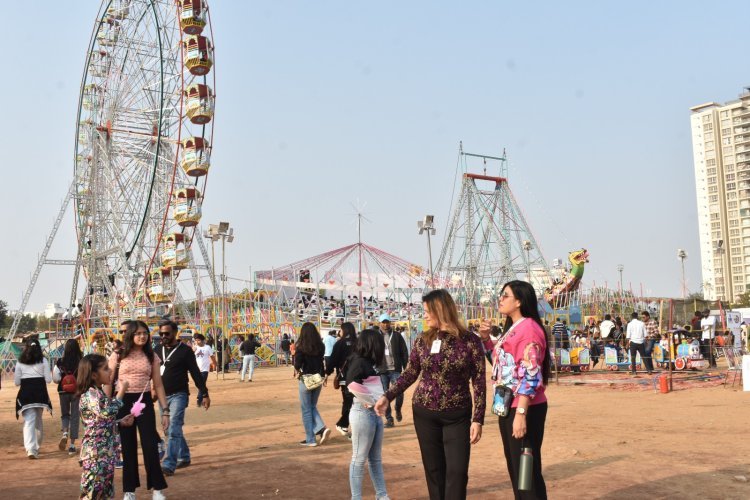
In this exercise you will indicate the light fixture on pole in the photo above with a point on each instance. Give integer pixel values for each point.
(620, 268)
(528, 246)
(223, 232)
(426, 226)
(682, 255)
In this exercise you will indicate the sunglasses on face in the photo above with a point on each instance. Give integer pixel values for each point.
(140, 334)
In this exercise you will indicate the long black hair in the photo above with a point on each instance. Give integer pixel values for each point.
(350, 333)
(526, 295)
(370, 345)
(71, 356)
(309, 342)
(32, 353)
(131, 327)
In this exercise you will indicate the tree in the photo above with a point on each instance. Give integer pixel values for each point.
(3, 312)
(742, 300)
(27, 323)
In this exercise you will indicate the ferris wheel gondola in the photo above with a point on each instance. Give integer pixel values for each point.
(142, 150)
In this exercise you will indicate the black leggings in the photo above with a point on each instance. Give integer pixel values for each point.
(535, 418)
(146, 425)
(445, 445)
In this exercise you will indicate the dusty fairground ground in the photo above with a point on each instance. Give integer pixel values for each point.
(600, 442)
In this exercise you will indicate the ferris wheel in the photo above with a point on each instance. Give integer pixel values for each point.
(142, 152)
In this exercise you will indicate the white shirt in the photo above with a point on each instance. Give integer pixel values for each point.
(636, 331)
(606, 328)
(33, 371)
(708, 325)
(203, 357)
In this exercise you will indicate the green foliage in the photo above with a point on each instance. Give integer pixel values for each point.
(3, 313)
(742, 300)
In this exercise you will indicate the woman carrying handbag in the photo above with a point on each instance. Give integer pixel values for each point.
(308, 368)
(520, 371)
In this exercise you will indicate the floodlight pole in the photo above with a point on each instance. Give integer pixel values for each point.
(427, 226)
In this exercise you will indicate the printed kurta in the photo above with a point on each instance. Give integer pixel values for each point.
(98, 450)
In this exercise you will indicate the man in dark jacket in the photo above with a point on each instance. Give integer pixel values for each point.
(394, 362)
(177, 360)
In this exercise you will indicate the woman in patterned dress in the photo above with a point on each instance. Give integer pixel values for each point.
(98, 412)
(449, 358)
(521, 363)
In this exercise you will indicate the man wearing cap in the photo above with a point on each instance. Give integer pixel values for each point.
(394, 362)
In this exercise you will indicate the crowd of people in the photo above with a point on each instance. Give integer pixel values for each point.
(641, 334)
(140, 392)
(115, 399)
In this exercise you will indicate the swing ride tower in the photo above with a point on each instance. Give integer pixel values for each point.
(488, 241)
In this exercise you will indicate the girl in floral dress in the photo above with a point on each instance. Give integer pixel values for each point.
(98, 412)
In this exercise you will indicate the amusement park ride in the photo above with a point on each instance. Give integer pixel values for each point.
(488, 241)
(144, 134)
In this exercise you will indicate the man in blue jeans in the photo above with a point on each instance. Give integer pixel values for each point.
(177, 360)
(395, 360)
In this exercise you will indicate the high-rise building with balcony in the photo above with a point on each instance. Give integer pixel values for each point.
(721, 157)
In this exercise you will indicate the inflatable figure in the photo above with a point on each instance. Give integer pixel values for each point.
(557, 295)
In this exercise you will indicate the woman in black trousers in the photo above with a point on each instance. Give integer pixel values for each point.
(139, 365)
(341, 351)
(521, 364)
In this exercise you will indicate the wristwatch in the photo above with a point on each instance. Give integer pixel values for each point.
(520, 410)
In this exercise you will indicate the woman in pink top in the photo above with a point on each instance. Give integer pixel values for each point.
(520, 362)
(139, 365)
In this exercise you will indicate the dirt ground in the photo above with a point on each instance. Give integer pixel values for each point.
(600, 442)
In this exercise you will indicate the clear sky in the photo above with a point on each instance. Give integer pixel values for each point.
(323, 103)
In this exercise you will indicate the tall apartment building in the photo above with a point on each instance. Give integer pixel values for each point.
(721, 156)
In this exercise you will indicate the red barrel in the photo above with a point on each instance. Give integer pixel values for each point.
(663, 383)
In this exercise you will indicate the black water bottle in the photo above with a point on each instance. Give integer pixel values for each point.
(525, 470)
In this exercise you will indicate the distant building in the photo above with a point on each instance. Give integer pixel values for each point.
(721, 158)
(53, 310)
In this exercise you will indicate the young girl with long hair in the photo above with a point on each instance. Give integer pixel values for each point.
(32, 375)
(98, 447)
(140, 367)
(309, 361)
(367, 426)
(449, 358)
(521, 364)
(64, 374)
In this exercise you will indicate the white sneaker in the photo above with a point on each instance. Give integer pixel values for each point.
(63, 442)
(129, 496)
(158, 495)
(324, 436)
(342, 431)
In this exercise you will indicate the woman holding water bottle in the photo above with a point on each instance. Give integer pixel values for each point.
(520, 370)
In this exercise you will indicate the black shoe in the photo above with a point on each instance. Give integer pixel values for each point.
(167, 472)
(182, 465)
(389, 423)
(399, 417)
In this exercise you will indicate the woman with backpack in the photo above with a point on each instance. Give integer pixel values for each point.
(64, 373)
(32, 375)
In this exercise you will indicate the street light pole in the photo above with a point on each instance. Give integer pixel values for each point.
(620, 268)
(527, 246)
(427, 226)
(682, 255)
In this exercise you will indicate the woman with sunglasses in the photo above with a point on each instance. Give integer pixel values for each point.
(520, 363)
(139, 365)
